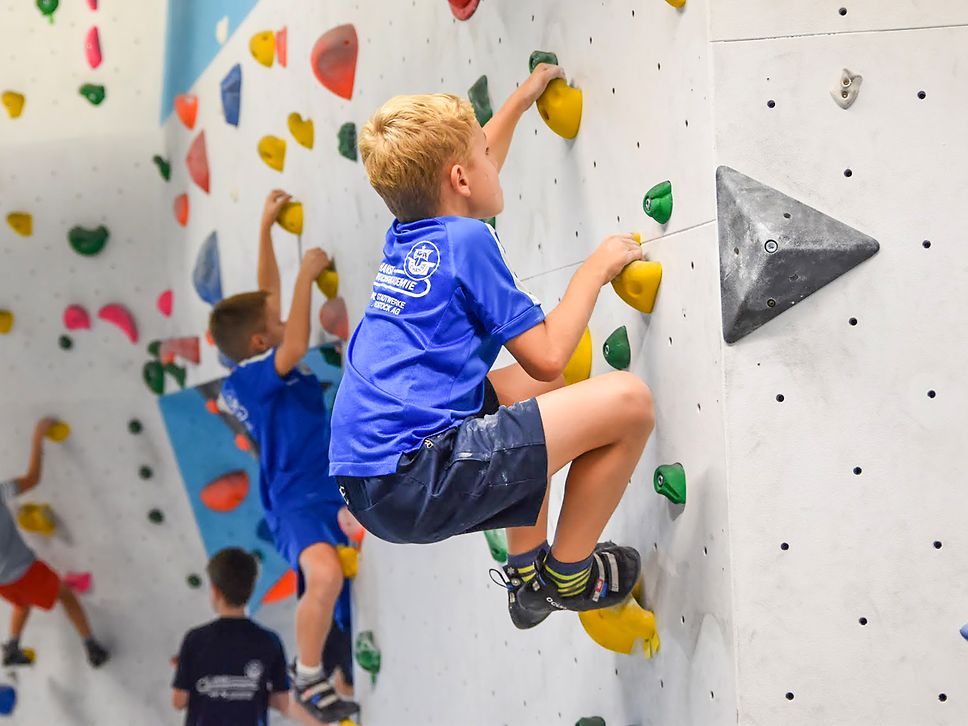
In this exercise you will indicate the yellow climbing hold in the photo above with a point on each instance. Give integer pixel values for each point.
(6, 322)
(59, 432)
(625, 628)
(638, 283)
(37, 518)
(14, 103)
(349, 560)
(291, 217)
(272, 149)
(560, 107)
(328, 283)
(580, 364)
(677, 3)
(263, 47)
(301, 130)
(21, 223)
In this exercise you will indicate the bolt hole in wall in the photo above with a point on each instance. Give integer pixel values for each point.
(862, 621)
(784, 546)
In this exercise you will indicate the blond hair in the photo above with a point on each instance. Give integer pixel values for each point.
(407, 144)
(235, 320)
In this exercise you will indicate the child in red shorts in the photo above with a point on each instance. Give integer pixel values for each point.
(25, 581)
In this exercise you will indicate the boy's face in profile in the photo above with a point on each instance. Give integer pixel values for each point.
(486, 196)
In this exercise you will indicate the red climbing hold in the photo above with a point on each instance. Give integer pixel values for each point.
(463, 9)
(333, 318)
(197, 162)
(334, 60)
(92, 4)
(285, 587)
(282, 43)
(227, 492)
(76, 318)
(92, 47)
(211, 405)
(242, 443)
(186, 348)
(79, 582)
(118, 314)
(181, 209)
(186, 106)
(165, 303)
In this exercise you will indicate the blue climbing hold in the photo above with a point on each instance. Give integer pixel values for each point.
(263, 532)
(964, 631)
(207, 275)
(8, 699)
(232, 94)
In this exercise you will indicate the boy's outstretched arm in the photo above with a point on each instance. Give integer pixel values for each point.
(500, 128)
(295, 341)
(268, 269)
(32, 478)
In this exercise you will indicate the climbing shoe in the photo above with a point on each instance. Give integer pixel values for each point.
(615, 571)
(320, 699)
(13, 655)
(97, 656)
(511, 580)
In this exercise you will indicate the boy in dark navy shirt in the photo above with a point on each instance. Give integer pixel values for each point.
(427, 441)
(231, 670)
(281, 404)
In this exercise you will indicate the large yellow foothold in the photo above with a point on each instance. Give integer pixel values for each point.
(328, 283)
(560, 107)
(579, 366)
(677, 3)
(6, 322)
(14, 103)
(21, 223)
(37, 518)
(59, 432)
(638, 283)
(302, 130)
(291, 217)
(349, 560)
(625, 628)
(272, 150)
(263, 47)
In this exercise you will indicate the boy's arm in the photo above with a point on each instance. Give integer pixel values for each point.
(179, 699)
(500, 128)
(32, 478)
(280, 701)
(268, 269)
(295, 341)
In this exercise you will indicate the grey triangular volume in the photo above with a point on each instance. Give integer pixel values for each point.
(775, 251)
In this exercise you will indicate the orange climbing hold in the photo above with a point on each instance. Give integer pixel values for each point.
(463, 9)
(186, 106)
(211, 405)
(282, 47)
(197, 162)
(118, 315)
(334, 319)
(181, 209)
(285, 587)
(333, 60)
(21, 223)
(242, 443)
(227, 492)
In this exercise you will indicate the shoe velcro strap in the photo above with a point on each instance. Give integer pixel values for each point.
(314, 695)
(611, 576)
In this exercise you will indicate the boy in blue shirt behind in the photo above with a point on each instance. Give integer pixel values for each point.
(427, 441)
(282, 407)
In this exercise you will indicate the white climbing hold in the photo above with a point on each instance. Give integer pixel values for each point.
(847, 89)
(222, 30)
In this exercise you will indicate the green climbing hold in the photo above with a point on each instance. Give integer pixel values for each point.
(670, 481)
(176, 372)
(491, 221)
(194, 581)
(154, 377)
(164, 168)
(347, 140)
(541, 56)
(154, 348)
(497, 541)
(332, 356)
(65, 342)
(155, 516)
(145, 472)
(367, 654)
(617, 351)
(93, 93)
(134, 426)
(481, 100)
(48, 7)
(591, 721)
(88, 242)
(658, 202)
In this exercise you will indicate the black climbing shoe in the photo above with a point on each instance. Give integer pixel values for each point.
(615, 572)
(512, 582)
(320, 699)
(97, 656)
(14, 656)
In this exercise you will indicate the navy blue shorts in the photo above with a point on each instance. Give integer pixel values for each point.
(489, 472)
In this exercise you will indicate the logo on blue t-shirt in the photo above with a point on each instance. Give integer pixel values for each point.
(422, 261)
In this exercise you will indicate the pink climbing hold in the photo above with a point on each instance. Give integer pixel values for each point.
(186, 106)
(333, 318)
(79, 582)
(92, 46)
(92, 4)
(463, 9)
(197, 162)
(118, 314)
(282, 46)
(76, 318)
(181, 209)
(334, 60)
(165, 303)
(187, 348)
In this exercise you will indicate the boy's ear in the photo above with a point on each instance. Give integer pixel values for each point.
(459, 181)
(258, 343)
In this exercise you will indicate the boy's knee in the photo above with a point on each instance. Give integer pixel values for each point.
(323, 575)
(635, 401)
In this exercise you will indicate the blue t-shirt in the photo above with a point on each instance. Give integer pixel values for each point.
(287, 418)
(229, 667)
(442, 305)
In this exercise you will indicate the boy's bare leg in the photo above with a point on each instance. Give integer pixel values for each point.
(18, 620)
(74, 611)
(601, 426)
(314, 614)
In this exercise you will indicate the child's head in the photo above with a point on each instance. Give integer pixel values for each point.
(427, 156)
(242, 326)
(232, 572)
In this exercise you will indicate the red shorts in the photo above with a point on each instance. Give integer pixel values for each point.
(38, 587)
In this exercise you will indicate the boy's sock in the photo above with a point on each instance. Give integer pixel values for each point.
(571, 578)
(307, 674)
(524, 562)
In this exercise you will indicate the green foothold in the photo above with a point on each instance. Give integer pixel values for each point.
(491, 221)
(332, 356)
(617, 351)
(145, 472)
(497, 541)
(164, 168)
(194, 581)
(93, 93)
(48, 7)
(155, 516)
(134, 426)
(154, 377)
(154, 348)
(65, 342)
(176, 372)
(347, 140)
(591, 721)
(541, 56)
(481, 100)
(670, 481)
(658, 202)
(88, 242)
(367, 654)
